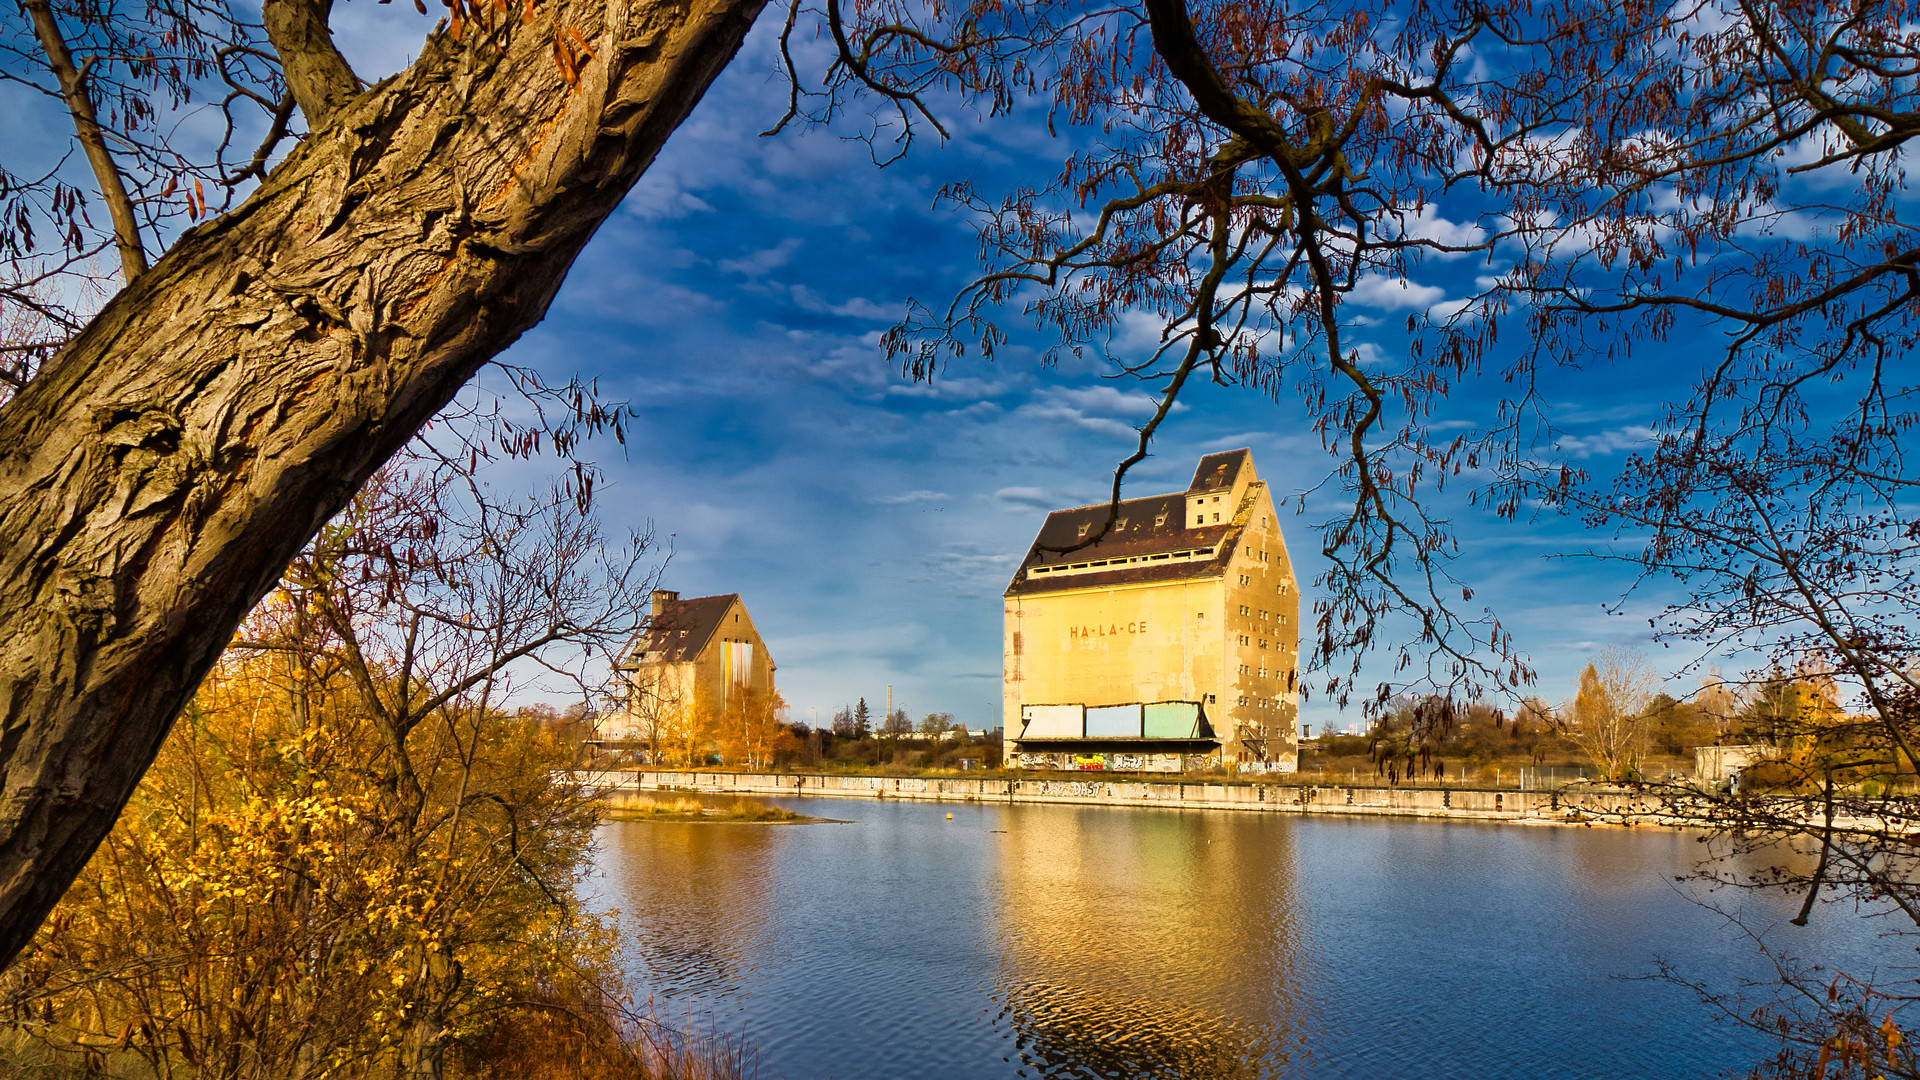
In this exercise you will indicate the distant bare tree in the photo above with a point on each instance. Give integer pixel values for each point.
(1608, 715)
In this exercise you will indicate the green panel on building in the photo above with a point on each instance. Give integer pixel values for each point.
(1172, 720)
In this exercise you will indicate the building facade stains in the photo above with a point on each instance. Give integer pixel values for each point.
(702, 652)
(1175, 637)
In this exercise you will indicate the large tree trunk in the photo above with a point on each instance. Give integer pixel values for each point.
(164, 468)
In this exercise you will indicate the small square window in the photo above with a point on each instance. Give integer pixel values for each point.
(1216, 517)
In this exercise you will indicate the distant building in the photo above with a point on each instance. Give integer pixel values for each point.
(704, 650)
(1173, 640)
(1719, 764)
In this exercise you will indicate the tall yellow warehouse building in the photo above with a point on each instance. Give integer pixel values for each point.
(1172, 642)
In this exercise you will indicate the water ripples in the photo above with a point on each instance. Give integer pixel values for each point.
(1075, 943)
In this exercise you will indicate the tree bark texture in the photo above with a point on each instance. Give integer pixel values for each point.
(163, 469)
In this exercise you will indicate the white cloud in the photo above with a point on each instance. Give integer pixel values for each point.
(914, 496)
(1105, 399)
(1604, 442)
(959, 389)
(1427, 224)
(1136, 334)
(1030, 498)
(1394, 293)
(858, 307)
(862, 308)
(1066, 414)
(758, 263)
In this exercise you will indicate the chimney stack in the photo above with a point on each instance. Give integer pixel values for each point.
(661, 598)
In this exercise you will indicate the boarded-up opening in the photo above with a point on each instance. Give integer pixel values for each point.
(1053, 721)
(1113, 722)
(1172, 720)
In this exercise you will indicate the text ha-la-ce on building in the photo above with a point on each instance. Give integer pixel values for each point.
(1172, 642)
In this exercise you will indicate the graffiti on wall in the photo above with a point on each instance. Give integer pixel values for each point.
(1082, 788)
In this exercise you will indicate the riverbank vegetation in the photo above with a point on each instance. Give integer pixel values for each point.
(702, 737)
(349, 858)
(647, 806)
(1619, 727)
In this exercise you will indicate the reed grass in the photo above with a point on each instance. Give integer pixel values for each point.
(694, 808)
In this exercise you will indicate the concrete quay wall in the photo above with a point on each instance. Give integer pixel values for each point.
(1527, 807)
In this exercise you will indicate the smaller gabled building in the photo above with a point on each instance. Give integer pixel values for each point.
(701, 652)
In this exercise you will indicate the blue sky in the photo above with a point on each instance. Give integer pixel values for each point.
(871, 523)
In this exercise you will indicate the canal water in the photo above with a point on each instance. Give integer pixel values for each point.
(1081, 942)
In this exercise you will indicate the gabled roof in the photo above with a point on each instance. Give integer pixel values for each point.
(681, 631)
(1155, 545)
(1217, 472)
(1149, 543)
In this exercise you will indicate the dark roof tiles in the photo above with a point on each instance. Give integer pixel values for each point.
(1154, 526)
(684, 628)
(1217, 472)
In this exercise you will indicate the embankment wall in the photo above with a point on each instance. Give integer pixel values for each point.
(1565, 806)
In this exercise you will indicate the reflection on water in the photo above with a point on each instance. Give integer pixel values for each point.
(1076, 1031)
(1073, 942)
(707, 905)
(1128, 946)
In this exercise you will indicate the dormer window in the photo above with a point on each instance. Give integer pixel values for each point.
(1120, 525)
(1084, 526)
(1160, 519)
